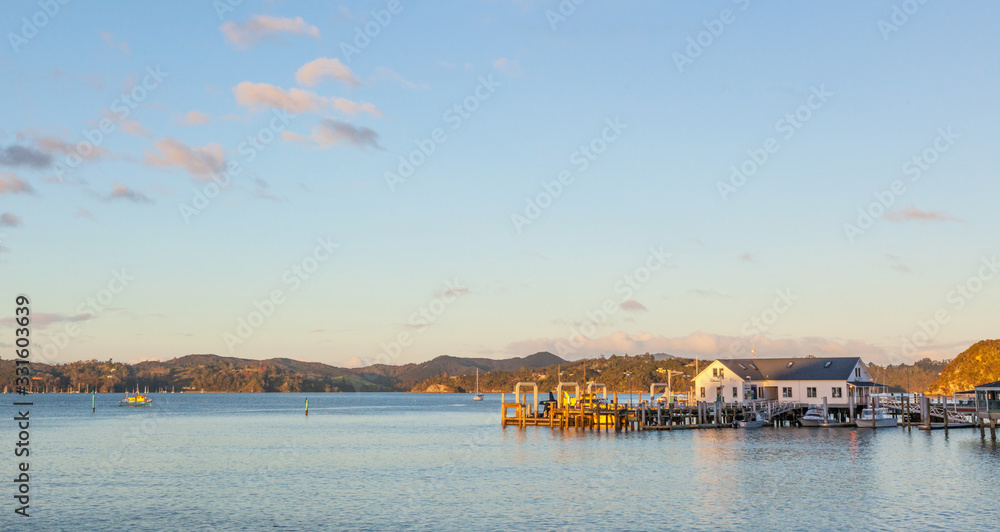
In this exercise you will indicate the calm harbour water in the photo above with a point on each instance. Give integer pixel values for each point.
(442, 462)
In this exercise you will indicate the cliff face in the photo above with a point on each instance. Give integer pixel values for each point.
(978, 364)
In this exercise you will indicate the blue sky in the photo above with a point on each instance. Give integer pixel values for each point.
(460, 258)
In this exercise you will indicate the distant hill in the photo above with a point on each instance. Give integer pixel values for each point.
(976, 365)
(214, 373)
(451, 366)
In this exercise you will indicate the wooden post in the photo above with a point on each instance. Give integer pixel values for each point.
(945, 405)
(659, 415)
(993, 429)
(982, 428)
(670, 420)
(826, 410)
(874, 406)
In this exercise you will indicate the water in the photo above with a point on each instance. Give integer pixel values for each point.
(442, 462)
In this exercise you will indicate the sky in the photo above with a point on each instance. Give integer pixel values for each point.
(387, 182)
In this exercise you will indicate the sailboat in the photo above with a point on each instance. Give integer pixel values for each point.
(479, 396)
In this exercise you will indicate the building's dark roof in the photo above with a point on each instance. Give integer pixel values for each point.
(793, 369)
(989, 385)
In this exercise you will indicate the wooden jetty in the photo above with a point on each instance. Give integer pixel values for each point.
(569, 407)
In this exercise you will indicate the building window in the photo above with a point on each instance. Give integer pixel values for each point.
(734, 391)
(786, 392)
(722, 373)
(715, 372)
(702, 392)
(838, 392)
(857, 373)
(810, 392)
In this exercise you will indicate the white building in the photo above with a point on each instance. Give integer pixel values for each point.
(801, 380)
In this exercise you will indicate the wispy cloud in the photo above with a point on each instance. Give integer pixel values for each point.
(16, 155)
(202, 162)
(122, 192)
(701, 345)
(388, 74)
(11, 184)
(330, 132)
(193, 118)
(746, 257)
(84, 214)
(264, 95)
(260, 27)
(913, 214)
(318, 70)
(633, 306)
(10, 220)
(109, 39)
(509, 67)
(42, 320)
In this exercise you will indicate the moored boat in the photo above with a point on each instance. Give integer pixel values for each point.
(880, 418)
(138, 399)
(752, 421)
(814, 418)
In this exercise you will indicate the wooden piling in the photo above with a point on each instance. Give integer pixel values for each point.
(993, 429)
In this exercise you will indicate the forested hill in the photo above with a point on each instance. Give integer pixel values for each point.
(979, 364)
(213, 373)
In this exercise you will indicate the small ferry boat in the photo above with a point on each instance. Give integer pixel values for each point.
(881, 418)
(138, 399)
(752, 421)
(814, 418)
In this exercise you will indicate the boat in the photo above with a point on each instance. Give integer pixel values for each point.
(814, 418)
(137, 399)
(881, 418)
(479, 396)
(752, 421)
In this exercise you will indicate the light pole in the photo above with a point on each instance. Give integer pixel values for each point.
(629, 375)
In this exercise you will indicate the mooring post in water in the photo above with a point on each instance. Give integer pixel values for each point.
(307, 406)
(93, 402)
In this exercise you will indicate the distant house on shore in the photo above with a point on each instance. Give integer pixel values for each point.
(802, 380)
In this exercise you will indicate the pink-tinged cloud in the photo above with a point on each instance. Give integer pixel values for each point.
(9, 220)
(913, 214)
(261, 27)
(84, 214)
(746, 257)
(388, 74)
(202, 162)
(509, 67)
(701, 345)
(258, 96)
(316, 71)
(55, 145)
(264, 95)
(330, 132)
(193, 118)
(122, 192)
(11, 184)
(42, 320)
(633, 306)
(109, 39)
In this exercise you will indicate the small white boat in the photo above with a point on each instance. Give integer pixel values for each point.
(881, 417)
(752, 421)
(479, 396)
(814, 418)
